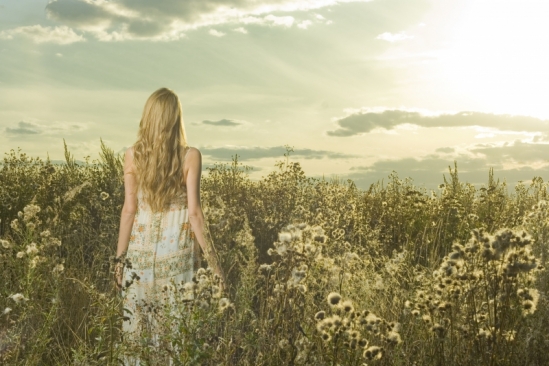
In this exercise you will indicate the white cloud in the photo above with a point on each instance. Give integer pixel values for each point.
(36, 127)
(286, 21)
(59, 54)
(241, 30)
(216, 33)
(394, 37)
(304, 24)
(40, 34)
(168, 20)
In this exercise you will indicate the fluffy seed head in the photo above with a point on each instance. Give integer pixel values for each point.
(334, 298)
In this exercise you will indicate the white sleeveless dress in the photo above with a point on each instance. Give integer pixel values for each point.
(162, 249)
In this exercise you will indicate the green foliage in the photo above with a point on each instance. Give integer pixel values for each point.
(286, 242)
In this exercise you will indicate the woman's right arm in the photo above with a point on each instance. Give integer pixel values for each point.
(128, 213)
(193, 162)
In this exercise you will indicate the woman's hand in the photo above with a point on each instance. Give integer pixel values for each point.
(222, 282)
(118, 269)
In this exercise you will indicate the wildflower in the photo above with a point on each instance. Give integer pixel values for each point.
(5, 244)
(320, 238)
(354, 334)
(333, 299)
(320, 315)
(31, 225)
(20, 255)
(283, 343)
(265, 267)
(216, 292)
(59, 268)
(393, 338)
(395, 327)
(34, 261)
(426, 318)
(302, 288)
(6, 311)
(373, 353)
(297, 276)
(32, 249)
(326, 337)
(284, 237)
(104, 195)
(349, 257)
(200, 271)
(408, 304)
(509, 336)
(282, 248)
(336, 321)
(223, 304)
(362, 342)
(528, 307)
(347, 306)
(189, 286)
(278, 289)
(15, 224)
(310, 249)
(415, 312)
(45, 234)
(18, 298)
(30, 212)
(438, 330)
(55, 241)
(484, 333)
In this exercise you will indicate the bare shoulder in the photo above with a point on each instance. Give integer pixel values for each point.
(128, 159)
(194, 155)
(129, 153)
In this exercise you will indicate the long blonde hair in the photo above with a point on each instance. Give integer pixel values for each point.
(160, 150)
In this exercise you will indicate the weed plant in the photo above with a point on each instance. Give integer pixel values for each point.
(319, 271)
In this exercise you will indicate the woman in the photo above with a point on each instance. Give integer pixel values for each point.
(162, 220)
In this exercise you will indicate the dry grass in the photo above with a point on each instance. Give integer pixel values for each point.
(320, 272)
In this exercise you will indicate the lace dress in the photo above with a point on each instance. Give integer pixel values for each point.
(161, 250)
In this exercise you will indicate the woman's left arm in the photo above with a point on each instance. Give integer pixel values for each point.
(128, 210)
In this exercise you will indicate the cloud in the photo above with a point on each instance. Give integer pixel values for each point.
(286, 21)
(365, 121)
(167, 20)
(222, 122)
(516, 152)
(254, 153)
(514, 162)
(25, 128)
(394, 37)
(39, 34)
(304, 24)
(241, 30)
(216, 33)
(447, 150)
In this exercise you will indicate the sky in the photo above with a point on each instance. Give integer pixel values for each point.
(358, 88)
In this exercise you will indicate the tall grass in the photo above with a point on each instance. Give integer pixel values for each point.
(320, 272)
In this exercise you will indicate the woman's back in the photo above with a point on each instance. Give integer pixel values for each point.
(161, 252)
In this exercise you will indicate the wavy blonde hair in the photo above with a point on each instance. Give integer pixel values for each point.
(160, 150)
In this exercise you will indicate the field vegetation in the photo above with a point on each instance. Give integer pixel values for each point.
(319, 271)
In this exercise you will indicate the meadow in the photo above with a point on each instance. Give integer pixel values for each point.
(319, 271)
